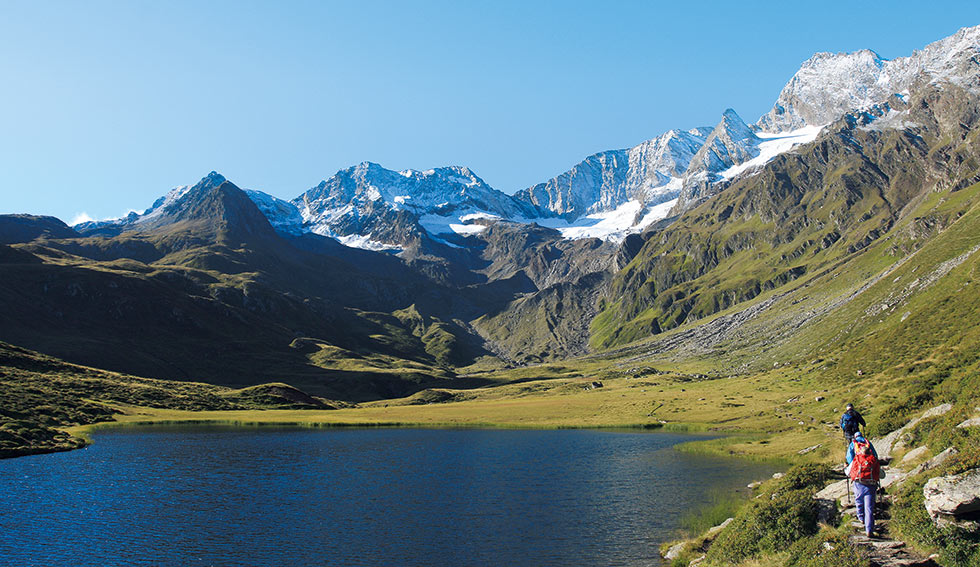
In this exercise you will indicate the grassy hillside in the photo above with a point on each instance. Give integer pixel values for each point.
(805, 213)
(41, 396)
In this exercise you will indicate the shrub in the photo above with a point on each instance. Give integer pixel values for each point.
(831, 549)
(766, 525)
(806, 476)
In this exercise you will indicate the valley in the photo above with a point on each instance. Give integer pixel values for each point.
(743, 280)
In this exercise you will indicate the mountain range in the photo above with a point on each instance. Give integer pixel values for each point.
(374, 283)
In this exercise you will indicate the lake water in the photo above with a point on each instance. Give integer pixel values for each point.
(401, 497)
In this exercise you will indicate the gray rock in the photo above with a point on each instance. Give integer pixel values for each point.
(915, 454)
(972, 422)
(935, 461)
(936, 411)
(833, 491)
(713, 532)
(675, 551)
(892, 477)
(886, 445)
(953, 495)
(810, 449)
(778, 475)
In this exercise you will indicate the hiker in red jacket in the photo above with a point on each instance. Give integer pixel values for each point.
(864, 469)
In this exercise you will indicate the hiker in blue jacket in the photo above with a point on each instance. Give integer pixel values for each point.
(863, 468)
(851, 422)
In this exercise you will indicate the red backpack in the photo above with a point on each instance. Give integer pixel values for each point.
(864, 467)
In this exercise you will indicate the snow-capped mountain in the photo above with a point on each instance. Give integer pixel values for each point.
(829, 85)
(603, 182)
(613, 193)
(156, 210)
(674, 169)
(443, 200)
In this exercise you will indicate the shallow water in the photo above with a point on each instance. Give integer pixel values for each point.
(262, 496)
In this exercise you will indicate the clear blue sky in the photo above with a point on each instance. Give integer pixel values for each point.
(105, 106)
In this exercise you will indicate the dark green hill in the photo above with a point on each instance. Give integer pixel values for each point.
(40, 395)
(16, 229)
(207, 290)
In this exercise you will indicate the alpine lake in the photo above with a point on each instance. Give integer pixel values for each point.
(222, 495)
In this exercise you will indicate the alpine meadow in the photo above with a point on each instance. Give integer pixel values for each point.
(739, 281)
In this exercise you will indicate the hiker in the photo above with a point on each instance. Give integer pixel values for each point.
(851, 422)
(864, 470)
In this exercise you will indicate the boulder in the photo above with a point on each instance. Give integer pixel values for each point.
(675, 551)
(915, 454)
(833, 491)
(892, 477)
(886, 445)
(953, 495)
(713, 532)
(935, 461)
(972, 422)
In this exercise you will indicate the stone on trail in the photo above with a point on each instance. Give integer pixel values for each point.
(892, 477)
(833, 491)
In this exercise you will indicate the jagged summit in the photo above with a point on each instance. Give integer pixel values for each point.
(648, 172)
(362, 204)
(612, 193)
(831, 84)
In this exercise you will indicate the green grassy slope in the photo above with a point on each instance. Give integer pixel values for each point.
(40, 396)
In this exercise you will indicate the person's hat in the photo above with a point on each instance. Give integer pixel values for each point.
(850, 406)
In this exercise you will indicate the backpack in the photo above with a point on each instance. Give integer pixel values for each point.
(849, 423)
(864, 467)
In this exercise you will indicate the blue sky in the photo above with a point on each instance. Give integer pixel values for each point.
(107, 105)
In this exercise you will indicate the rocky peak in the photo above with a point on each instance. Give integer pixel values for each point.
(731, 142)
(829, 85)
(215, 204)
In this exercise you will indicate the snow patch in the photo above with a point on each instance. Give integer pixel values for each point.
(771, 146)
(478, 216)
(458, 224)
(363, 242)
(630, 217)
